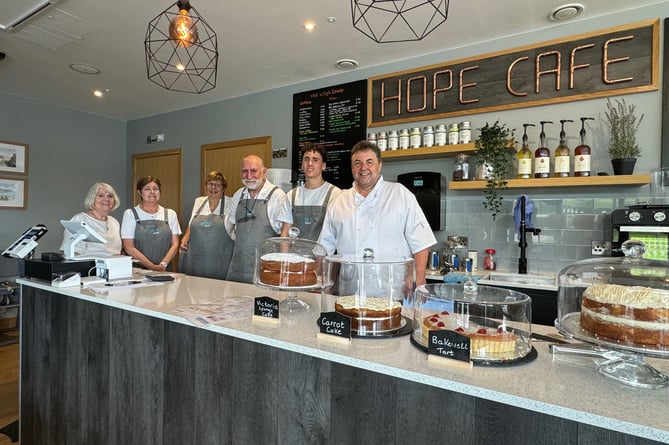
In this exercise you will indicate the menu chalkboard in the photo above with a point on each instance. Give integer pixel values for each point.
(336, 118)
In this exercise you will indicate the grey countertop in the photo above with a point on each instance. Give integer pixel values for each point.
(563, 386)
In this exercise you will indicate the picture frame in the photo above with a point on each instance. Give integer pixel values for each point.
(13, 158)
(13, 193)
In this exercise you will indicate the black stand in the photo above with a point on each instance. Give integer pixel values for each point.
(11, 431)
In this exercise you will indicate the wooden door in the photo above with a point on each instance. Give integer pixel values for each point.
(226, 157)
(166, 166)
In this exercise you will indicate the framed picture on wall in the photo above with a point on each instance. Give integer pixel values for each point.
(13, 193)
(13, 158)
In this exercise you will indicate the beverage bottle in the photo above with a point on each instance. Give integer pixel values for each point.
(542, 155)
(490, 262)
(582, 153)
(524, 157)
(562, 154)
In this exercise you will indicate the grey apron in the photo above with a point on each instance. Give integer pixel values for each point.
(309, 219)
(209, 246)
(153, 237)
(252, 227)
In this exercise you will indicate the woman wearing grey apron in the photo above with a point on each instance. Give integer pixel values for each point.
(150, 232)
(206, 246)
(309, 202)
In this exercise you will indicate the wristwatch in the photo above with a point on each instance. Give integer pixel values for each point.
(164, 264)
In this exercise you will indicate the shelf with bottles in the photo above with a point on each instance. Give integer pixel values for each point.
(409, 154)
(571, 181)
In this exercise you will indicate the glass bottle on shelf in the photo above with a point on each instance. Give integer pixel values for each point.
(524, 157)
(490, 262)
(582, 153)
(542, 155)
(461, 168)
(562, 154)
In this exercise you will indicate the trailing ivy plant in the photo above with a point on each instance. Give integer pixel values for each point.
(495, 147)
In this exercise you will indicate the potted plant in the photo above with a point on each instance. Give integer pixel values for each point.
(623, 147)
(495, 150)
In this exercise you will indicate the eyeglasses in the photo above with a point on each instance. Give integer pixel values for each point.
(215, 184)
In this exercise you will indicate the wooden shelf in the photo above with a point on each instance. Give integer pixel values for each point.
(582, 181)
(443, 151)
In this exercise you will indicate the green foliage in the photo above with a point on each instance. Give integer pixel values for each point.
(624, 125)
(495, 147)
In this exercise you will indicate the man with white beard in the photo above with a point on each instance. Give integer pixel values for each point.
(260, 213)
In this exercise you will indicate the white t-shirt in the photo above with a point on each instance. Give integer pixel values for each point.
(389, 220)
(110, 230)
(276, 208)
(128, 224)
(205, 209)
(310, 197)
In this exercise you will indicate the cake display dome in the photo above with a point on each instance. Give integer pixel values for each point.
(497, 321)
(377, 293)
(619, 305)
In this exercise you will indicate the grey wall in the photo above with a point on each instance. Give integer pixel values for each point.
(69, 151)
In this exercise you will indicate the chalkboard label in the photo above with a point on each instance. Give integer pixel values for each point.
(449, 344)
(266, 307)
(334, 323)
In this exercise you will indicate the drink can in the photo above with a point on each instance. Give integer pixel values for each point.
(454, 260)
(469, 264)
(434, 260)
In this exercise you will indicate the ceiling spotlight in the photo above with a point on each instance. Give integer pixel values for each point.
(346, 64)
(98, 93)
(309, 26)
(181, 50)
(566, 12)
(331, 19)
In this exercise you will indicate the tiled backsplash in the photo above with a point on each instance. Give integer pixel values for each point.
(568, 227)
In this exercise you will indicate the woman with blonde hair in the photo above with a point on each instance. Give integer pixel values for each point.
(100, 200)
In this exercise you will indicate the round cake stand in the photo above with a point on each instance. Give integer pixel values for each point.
(293, 304)
(622, 362)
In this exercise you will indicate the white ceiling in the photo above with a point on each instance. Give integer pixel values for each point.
(262, 45)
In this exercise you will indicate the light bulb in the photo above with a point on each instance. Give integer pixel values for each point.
(182, 29)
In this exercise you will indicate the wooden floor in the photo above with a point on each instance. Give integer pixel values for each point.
(9, 388)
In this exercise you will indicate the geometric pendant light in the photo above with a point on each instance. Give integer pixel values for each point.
(389, 21)
(181, 50)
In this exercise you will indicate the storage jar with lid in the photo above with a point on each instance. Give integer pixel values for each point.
(382, 140)
(496, 321)
(461, 169)
(428, 136)
(415, 138)
(393, 140)
(440, 135)
(377, 293)
(404, 139)
(453, 134)
(465, 133)
(371, 137)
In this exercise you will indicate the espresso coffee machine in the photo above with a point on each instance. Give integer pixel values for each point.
(647, 223)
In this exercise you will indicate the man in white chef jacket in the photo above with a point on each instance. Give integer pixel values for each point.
(384, 216)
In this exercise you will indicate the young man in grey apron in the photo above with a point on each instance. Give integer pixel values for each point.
(260, 214)
(308, 202)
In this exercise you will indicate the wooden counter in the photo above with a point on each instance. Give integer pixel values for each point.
(121, 367)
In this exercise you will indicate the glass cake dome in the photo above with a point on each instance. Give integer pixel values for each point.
(497, 321)
(620, 307)
(289, 264)
(377, 293)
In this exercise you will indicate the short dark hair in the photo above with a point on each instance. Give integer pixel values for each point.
(366, 145)
(318, 148)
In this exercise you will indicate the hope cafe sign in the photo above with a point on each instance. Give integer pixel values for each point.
(616, 61)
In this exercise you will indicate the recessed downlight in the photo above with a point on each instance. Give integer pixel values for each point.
(101, 93)
(84, 69)
(309, 26)
(566, 12)
(346, 64)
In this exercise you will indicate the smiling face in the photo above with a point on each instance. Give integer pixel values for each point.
(253, 172)
(215, 189)
(366, 169)
(104, 201)
(313, 164)
(150, 193)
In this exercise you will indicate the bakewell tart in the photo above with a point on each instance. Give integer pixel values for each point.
(632, 314)
(370, 313)
(485, 342)
(287, 270)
